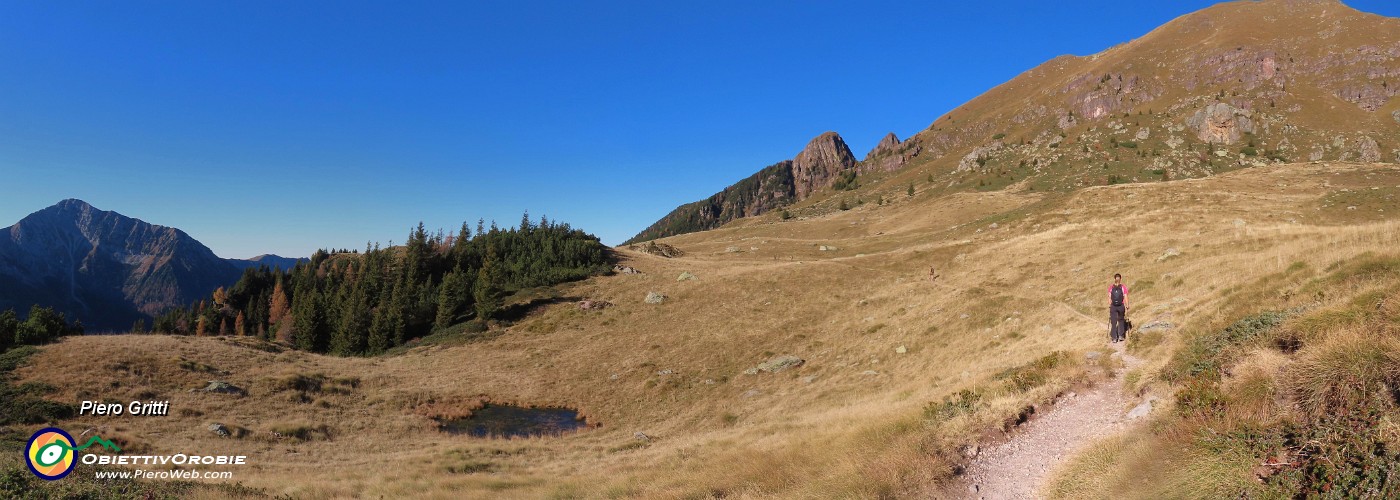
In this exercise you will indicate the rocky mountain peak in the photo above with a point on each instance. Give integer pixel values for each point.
(818, 164)
(885, 146)
(103, 267)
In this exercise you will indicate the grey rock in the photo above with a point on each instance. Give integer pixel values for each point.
(1092, 355)
(655, 298)
(1142, 410)
(751, 393)
(870, 372)
(731, 249)
(685, 276)
(1156, 325)
(221, 387)
(641, 436)
(621, 269)
(1169, 253)
(780, 363)
(220, 429)
(751, 371)
(827, 248)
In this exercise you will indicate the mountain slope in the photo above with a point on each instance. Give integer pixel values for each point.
(102, 267)
(1241, 84)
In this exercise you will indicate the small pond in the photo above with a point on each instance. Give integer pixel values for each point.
(508, 421)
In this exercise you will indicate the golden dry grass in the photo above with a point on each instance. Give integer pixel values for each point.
(1007, 295)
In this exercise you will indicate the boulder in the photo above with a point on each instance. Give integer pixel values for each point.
(780, 363)
(1220, 123)
(621, 269)
(655, 298)
(1368, 150)
(685, 276)
(220, 429)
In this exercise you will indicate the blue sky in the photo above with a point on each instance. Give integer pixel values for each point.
(283, 127)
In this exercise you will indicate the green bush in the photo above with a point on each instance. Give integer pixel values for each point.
(962, 403)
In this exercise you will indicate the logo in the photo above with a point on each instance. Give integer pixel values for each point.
(50, 454)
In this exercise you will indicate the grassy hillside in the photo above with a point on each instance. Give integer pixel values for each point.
(900, 372)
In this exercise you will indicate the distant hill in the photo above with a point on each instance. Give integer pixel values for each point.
(104, 268)
(1237, 85)
(269, 260)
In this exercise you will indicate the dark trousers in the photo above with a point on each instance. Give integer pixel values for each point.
(1117, 328)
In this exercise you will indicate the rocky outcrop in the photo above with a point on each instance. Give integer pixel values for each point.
(979, 156)
(1220, 123)
(889, 155)
(104, 268)
(819, 163)
(1367, 150)
(776, 186)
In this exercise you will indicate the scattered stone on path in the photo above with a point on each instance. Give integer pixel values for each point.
(1143, 409)
(655, 298)
(685, 276)
(1156, 325)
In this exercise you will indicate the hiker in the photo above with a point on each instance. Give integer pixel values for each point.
(932, 275)
(1117, 309)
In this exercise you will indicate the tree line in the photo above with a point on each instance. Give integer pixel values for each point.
(364, 303)
(43, 325)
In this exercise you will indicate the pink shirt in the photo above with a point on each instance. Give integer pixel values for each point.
(1125, 295)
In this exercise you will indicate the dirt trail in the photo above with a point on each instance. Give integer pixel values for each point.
(1020, 467)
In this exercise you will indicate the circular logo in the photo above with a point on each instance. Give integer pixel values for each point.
(50, 453)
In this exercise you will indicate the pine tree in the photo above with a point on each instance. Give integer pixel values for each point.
(452, 297)
(910, 191)
(487, 291)
(239, 327)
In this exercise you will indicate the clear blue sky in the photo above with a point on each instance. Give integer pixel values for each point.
(287, 126)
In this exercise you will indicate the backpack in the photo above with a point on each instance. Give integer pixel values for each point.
(1117, 294)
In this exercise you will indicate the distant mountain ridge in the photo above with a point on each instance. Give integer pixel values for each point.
(270, 260)
(102, 267)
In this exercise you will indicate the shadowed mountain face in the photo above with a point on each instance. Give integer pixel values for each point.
(1238, 85)
(103, 268)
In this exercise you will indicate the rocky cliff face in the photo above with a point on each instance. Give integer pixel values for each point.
(819, 163)
(102, 267)
(776, 186)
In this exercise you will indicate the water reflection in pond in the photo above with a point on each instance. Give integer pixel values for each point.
(515, 421)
